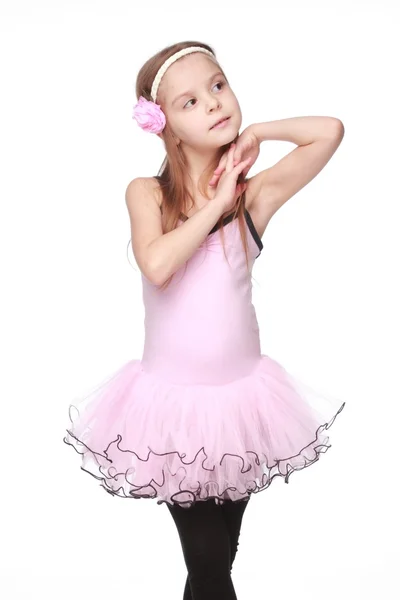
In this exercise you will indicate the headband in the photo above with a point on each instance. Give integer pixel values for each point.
(149, 115)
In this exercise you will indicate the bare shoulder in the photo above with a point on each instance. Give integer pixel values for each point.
(146, 188)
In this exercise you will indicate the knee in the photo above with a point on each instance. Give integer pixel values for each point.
(209, 562)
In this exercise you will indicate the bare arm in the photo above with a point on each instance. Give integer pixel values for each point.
(318, 139)
(160, 255)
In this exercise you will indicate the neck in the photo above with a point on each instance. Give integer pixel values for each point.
(197, 165)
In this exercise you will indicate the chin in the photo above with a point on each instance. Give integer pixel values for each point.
(232, 137)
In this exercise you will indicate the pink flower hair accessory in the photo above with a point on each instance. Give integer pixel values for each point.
(149, 115)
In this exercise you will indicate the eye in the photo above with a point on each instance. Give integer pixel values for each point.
(188, 102)
(221, 83)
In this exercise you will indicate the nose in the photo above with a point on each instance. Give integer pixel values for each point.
(213, 104)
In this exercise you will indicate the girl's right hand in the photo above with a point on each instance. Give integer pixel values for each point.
(228, 190)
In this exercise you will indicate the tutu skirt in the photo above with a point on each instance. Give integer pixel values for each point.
(143, 437)
(203, 414)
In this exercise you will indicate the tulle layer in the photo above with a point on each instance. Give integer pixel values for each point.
(142, 437)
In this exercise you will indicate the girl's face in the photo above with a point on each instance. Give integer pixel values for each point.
(194, 95)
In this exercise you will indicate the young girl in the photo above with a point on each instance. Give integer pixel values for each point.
(204, 420)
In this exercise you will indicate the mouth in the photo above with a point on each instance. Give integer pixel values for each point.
(222, 120)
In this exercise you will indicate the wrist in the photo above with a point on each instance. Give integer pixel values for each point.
(260, 131)
(217, 205)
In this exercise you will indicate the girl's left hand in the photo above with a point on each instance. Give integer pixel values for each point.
(247, 146)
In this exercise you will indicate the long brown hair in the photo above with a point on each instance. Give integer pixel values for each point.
(170, 177)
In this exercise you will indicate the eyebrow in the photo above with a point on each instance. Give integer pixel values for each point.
(187, 93)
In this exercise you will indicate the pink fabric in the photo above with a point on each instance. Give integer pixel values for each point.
(203, 413)
(149, 115)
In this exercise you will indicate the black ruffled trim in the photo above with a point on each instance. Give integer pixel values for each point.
(265, 479)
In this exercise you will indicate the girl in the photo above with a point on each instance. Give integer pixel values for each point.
(204, 420)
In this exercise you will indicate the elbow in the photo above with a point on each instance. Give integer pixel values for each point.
(149, 264)
(157, 280)
(333, 128)
(151, 275)
(338, 128)
(155, 274)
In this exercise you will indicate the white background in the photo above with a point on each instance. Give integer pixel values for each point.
(326, 289)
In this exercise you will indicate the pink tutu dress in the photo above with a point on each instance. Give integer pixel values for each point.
(204, 414)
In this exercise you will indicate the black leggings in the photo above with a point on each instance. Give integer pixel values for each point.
(209, 535)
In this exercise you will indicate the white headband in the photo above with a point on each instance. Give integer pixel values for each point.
(168, 63)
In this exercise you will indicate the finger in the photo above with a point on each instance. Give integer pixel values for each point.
(215, 178)
(242, 164)
(241, 149)
(247, 169)
(236, 158)
(240, 188)
(222, 162)
(221, 166)
(229, 160)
